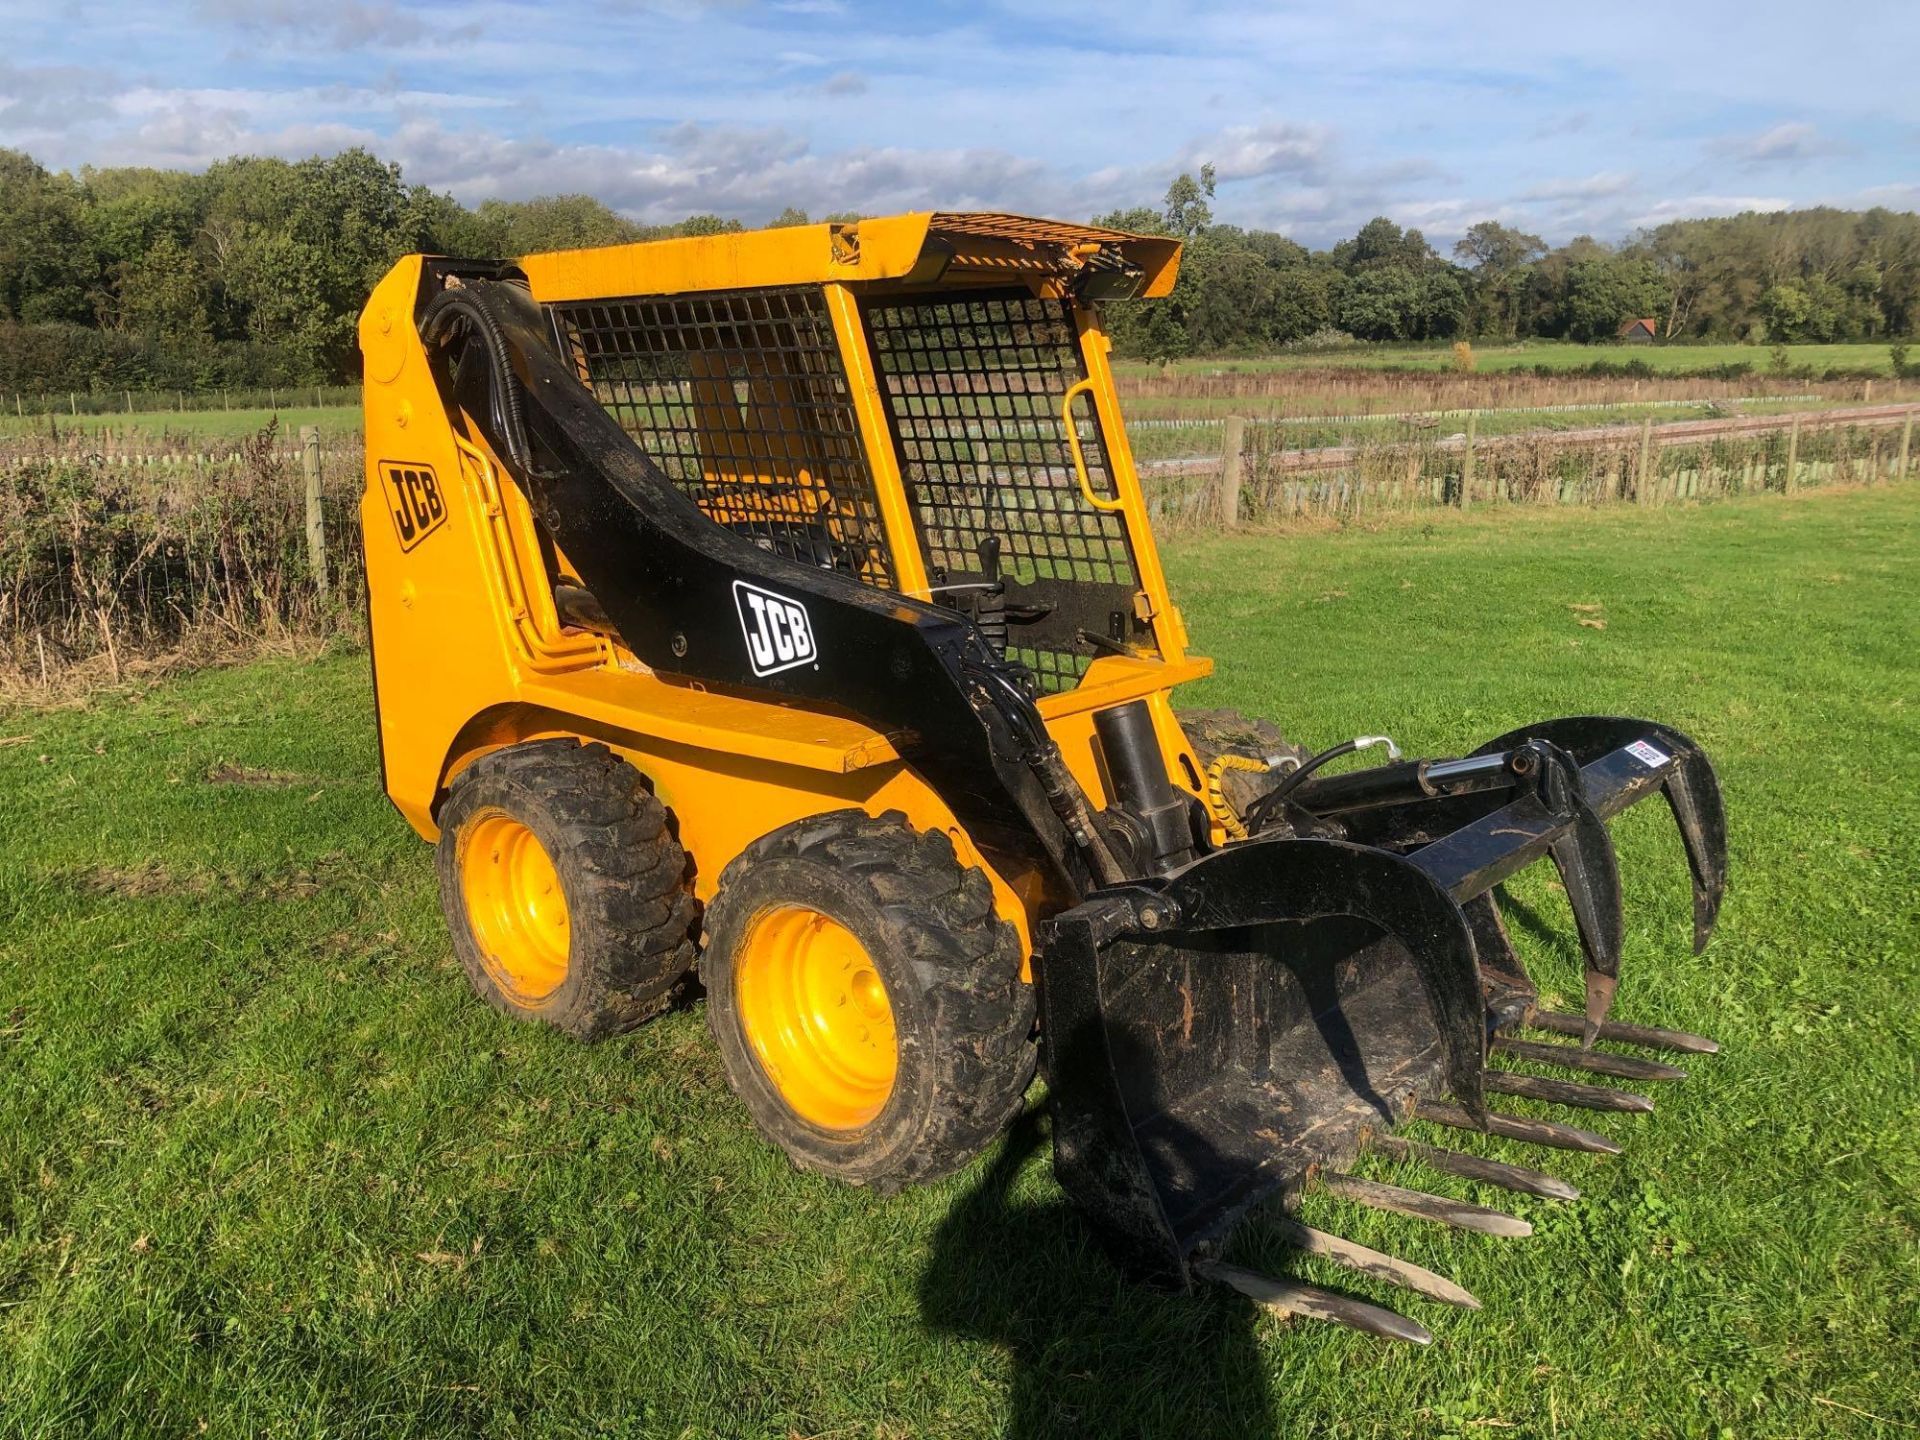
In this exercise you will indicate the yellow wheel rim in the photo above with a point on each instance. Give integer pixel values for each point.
(817, 1014)
(515, 906)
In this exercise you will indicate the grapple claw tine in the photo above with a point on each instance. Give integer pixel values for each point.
(1475, 1167)
(1593, 1062)
(1691, 788)
(1422, 1206)
(1519, 1127)
(1292, 1297)
(1591, 874)
(1693, 794)
(1567, 1092)
(1649, 1036)
(1381, 1266)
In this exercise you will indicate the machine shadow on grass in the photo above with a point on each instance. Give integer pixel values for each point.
(1091, 1352)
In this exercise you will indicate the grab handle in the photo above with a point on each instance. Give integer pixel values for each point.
(1074, 392)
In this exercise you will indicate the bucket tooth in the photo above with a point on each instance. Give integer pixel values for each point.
(1593, 1062)
(1649, 1036)
(1291, 1297)
(1422, 1206)
(1518, 1127)
(1474, 1167)
(1567, 1092)
(1375, 1263)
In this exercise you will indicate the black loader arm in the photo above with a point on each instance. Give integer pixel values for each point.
(690, 598)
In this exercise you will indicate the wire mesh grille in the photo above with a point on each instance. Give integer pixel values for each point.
(741, 397)
(973, 388)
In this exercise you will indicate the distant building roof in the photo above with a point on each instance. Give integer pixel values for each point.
(1649, 327)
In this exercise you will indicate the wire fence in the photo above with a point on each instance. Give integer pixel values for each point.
(75, 403)
(1258, 479)
(193, 550)
(111, 562)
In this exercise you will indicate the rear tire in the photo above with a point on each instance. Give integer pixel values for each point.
(807, 921)
(564, 888)
(1214, 733)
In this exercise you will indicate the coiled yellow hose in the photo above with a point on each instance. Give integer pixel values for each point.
(1216, 792)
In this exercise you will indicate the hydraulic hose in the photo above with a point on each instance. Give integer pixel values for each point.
(1259, 810)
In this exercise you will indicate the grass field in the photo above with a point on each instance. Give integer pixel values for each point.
(266, 1167)
(159, 425)
(1560, 355)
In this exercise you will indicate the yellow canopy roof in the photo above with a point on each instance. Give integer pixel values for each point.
(910, 249)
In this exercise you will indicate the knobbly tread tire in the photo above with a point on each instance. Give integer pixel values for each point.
(963, 1016)
(630, 914)
(1214, 733)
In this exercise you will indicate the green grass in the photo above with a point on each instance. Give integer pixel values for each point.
(1560, 355)
(266, 1167)
(198, 424)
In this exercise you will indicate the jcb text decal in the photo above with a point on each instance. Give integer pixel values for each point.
(779, 635)
(414, 500)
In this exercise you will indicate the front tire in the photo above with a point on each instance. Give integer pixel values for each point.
(866, 999)
(564, 888)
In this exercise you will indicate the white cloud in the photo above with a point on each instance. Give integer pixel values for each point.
(1790, 143)
(338, 24)
(1247, 152)
(1695, 206)
(1591, 187)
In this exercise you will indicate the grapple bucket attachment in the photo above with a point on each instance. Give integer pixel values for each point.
(1243, 1028)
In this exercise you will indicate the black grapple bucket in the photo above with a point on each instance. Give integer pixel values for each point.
(1243, 1028)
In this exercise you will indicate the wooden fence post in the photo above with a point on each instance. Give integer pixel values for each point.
(1793, 456)
(1232, 444)
(1644, 482)
(1906, 447)
(1466, 464)
(316, 519)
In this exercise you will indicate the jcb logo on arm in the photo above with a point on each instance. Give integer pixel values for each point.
(413, 499)
(779, 635)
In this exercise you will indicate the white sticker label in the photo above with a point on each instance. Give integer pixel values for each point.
(779, 634)
(1647, 755)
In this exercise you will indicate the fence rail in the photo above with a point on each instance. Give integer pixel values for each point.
(75, 403)
(1257, 478)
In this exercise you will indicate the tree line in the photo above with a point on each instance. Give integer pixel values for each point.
(254, 271)
(1779, 277)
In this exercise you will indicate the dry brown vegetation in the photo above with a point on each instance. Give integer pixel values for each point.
(113, 565)
(1353, 390)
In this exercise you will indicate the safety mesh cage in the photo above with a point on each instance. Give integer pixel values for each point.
(742, 399)
(973, 388)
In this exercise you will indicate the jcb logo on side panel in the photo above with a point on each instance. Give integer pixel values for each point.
(779, 634)
(414, 500)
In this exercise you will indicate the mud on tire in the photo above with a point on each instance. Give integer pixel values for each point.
(629, 915)
(962, 1015)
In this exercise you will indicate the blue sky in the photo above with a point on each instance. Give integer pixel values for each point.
(1563, 119)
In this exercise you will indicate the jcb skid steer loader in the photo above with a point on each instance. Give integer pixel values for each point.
(789, 599)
